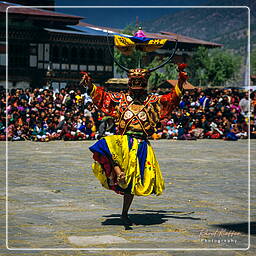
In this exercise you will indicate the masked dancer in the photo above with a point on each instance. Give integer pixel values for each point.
(126, 163)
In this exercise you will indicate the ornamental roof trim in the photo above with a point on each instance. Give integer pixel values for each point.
(32, 11)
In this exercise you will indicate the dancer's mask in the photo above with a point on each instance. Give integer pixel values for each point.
(138, 78)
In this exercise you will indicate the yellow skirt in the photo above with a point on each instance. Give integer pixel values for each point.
(137, 160)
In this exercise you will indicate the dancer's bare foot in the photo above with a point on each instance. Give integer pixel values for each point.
(126, 221)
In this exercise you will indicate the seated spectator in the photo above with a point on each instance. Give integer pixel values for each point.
(172, 131)
(107, 127)
(196, 129)
(39, 133)
(184, 134)
(252, 129)
(215, 132)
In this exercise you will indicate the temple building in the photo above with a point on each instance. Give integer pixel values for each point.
(48, 48)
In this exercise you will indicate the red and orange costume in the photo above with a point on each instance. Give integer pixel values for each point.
(135, 117)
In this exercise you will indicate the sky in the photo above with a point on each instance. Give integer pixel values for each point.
(121, 17)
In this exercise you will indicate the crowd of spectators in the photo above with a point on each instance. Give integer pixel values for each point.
(44, 115)
(212, 114)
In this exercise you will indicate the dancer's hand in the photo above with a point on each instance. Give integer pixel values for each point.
(183, 75)
(86, 80)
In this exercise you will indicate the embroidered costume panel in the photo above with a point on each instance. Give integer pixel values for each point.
(135, 117)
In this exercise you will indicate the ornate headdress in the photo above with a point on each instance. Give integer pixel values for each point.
(138, 78)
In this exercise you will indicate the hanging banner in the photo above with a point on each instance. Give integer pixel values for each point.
(127, 44)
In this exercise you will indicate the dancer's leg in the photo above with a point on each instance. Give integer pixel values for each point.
(128, 198)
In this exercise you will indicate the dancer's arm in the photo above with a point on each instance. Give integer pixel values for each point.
(105, 101)
(172, 99)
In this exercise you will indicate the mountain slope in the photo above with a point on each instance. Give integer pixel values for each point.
(227, 26)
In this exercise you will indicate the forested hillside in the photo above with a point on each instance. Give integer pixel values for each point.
(227, 26)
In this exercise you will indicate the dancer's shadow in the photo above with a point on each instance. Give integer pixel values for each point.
(149, 217)
(241, 227)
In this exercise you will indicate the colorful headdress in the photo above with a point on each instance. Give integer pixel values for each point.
(139, 77)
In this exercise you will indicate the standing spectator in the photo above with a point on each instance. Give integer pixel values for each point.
(244, 104)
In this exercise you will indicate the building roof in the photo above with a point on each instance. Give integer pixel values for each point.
(172, 83)
(77, 30)
(186, 39)
(100, 28)
(162, 35)
(19, 10)
(117, 81)
(86, 28)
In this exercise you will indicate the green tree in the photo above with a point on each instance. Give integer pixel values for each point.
(253, 62)
(224, 67)
(129, 29)
(165, 73)
(213, 67)
(128, 61)
(198, 66)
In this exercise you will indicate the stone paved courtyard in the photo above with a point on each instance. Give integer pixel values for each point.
(56, 202)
